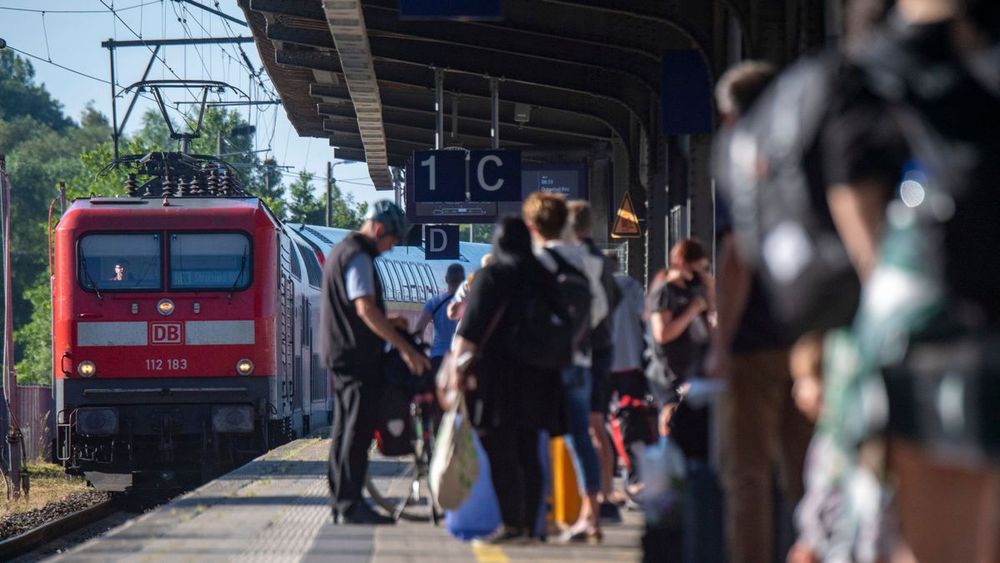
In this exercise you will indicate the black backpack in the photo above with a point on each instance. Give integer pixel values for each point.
(949, 115)
(782, 223)
(552, 325)
(574, 288)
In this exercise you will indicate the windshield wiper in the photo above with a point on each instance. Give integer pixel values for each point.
(89, 279)
(239, 276)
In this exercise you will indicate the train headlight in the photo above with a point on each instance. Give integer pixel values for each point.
(92, 421)
(235, 418)
(86, 368)
(165, 307)
(244, 367)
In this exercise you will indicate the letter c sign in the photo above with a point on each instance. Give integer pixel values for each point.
(496, 175)
(481, 168)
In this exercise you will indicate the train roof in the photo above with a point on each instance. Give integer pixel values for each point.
(214, 203)
(125, 213)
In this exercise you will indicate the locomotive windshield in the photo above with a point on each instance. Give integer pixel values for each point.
(209, 261)
(120, 262)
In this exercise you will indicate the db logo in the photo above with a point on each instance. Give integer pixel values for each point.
(165, 333)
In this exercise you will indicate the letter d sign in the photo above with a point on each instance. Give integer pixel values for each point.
(441, 242)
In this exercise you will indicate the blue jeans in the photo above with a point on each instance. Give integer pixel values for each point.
(577, 383)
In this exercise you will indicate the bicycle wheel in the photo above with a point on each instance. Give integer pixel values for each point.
(399, 485)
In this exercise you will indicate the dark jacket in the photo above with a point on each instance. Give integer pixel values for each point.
(347, 345)
(510, 394)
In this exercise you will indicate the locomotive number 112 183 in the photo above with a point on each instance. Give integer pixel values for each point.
(157, 364)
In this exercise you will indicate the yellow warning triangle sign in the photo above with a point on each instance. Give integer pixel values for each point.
(626, 223)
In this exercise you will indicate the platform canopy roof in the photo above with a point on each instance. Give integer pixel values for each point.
(572, 73)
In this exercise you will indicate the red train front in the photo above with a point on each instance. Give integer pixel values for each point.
(170, 352)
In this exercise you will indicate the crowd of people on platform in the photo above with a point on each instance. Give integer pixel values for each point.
(850, 320)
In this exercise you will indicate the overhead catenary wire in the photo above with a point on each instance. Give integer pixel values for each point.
(55, 64)
(37, 11)
(138, 36)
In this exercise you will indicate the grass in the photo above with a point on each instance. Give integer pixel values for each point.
(48, 483)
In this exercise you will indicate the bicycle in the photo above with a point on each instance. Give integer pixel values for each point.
(394, 482)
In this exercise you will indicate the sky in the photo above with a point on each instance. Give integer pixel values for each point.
(74, 40)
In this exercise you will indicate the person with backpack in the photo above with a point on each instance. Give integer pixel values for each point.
(509, 400)
(923, 341)
(580, 225)
(760, 426)
(915, 233)
(578, 275)
(436, 311)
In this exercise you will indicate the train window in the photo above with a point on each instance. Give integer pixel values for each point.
(312, 266)
(120, 262)
(207, 261)
(294, 259)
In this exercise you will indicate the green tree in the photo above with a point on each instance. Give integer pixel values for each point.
(304, 206)
(22, 97)
(344, 212)
(35, 337)
(480, 233)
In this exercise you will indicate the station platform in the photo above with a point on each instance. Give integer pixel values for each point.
(277, 509)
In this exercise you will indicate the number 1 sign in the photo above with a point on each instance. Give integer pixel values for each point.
(439, 176)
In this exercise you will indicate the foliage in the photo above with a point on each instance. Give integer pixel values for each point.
(22, 97)
(480, 233)
(344, 213)
(35, 365)
(304, 207)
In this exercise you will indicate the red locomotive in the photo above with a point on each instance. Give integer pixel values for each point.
(171, 335)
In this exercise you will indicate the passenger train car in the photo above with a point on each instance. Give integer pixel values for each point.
(185, 332)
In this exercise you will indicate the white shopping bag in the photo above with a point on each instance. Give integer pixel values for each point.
(454, 463)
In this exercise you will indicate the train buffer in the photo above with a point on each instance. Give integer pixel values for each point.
(277, 508)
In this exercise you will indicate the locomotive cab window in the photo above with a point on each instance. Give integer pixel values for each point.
(210, 261)
(313, 269)
(120, 262)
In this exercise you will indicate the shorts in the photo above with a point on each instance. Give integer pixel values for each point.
(600, 389)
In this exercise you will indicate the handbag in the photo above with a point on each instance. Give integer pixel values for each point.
(454, 462)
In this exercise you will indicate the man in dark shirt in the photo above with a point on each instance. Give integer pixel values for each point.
(760, 424)
(354, 330)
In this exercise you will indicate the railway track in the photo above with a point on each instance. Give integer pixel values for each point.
(72, 529)
(55, 529)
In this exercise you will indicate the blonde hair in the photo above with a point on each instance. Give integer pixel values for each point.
(546, 212)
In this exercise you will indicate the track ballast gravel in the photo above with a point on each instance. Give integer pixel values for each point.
(14, 524)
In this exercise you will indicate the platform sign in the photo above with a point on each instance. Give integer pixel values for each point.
(495, 175)
(567, 178)
(441, 242)
(439, 176)
(463, 10)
